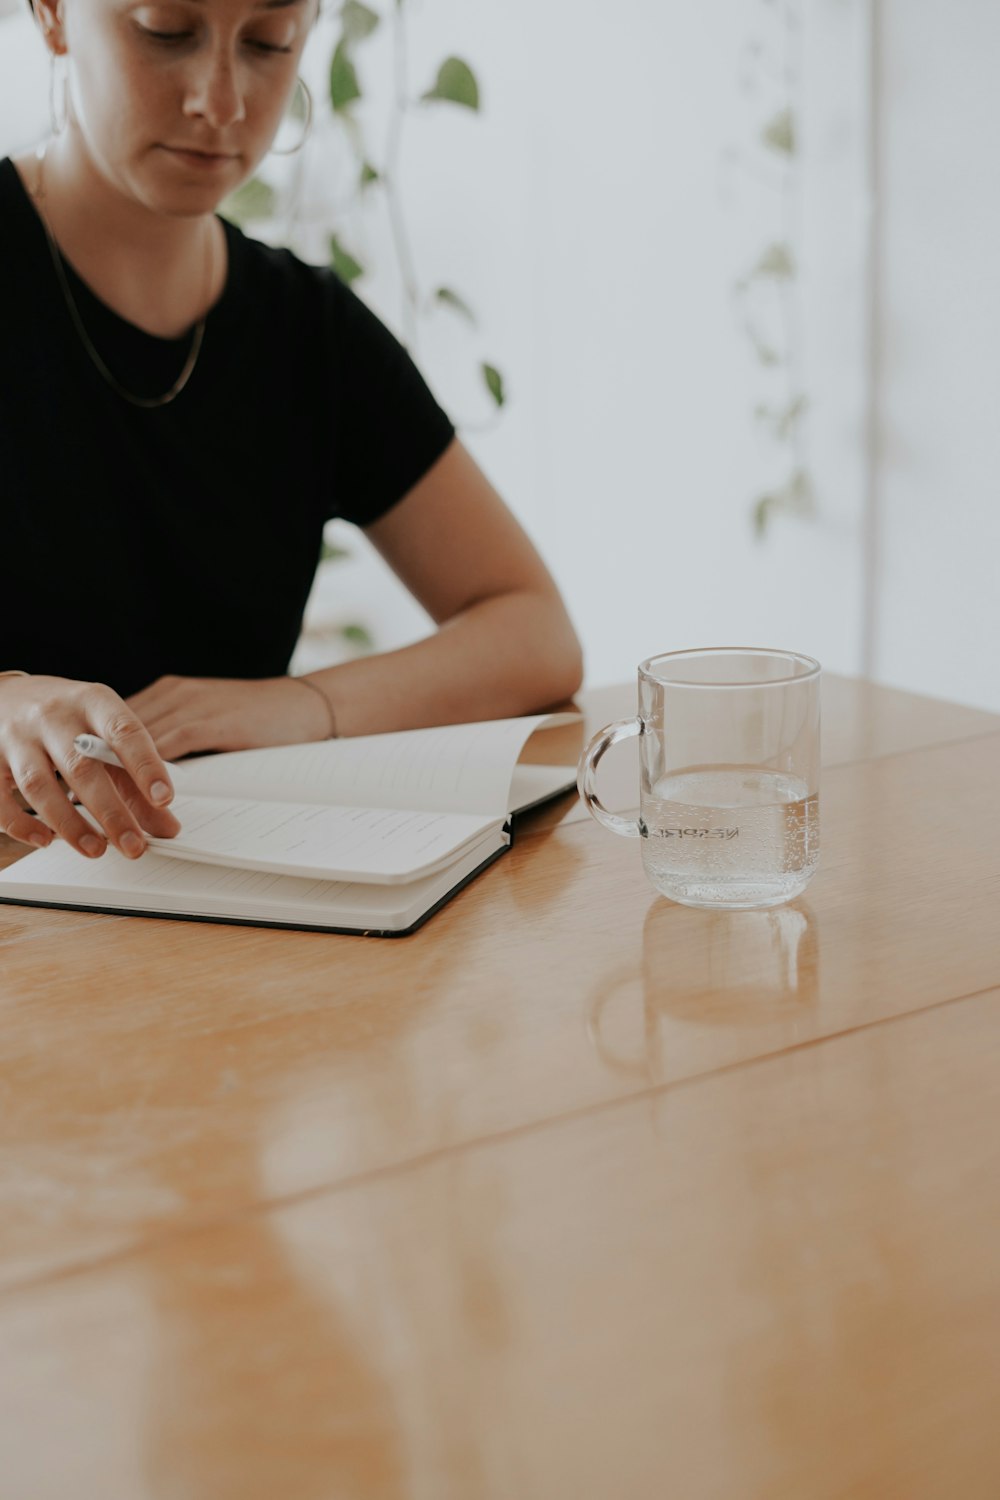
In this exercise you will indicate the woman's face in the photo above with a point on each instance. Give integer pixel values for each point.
(176, 101)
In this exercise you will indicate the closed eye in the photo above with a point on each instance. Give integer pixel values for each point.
(165, 36)
(173, 38)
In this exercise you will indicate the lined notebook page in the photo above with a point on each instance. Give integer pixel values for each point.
(384, 845)
(456, 768)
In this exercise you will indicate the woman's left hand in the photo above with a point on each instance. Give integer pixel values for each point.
(187, 714)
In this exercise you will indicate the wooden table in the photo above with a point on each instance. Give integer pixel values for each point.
(574, 1193)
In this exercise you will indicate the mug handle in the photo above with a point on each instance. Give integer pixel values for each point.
(621, 729)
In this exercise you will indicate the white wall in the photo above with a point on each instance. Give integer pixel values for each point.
(639, 461)
(24, 74)
(938, 623)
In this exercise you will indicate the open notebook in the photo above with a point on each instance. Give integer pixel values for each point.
(361, 835)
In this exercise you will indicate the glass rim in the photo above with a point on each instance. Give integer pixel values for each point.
(812, 666)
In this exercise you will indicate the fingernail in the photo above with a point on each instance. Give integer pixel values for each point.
(159, 791)
(91, 845)
(132, 844)
(40, 840)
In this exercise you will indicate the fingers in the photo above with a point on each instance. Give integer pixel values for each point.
(189, 738)
(123, 814)
(163, 700)
(115, 798)
(97, 793)
(36, 780)
(185, 715)
(134, 746)
(159, 821)
(40, 764)
(16, 820)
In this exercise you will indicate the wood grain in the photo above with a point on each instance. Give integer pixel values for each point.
(165, 1074)
(575, 1192)
(779, 1281)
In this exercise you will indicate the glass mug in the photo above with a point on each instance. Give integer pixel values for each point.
(729, 775)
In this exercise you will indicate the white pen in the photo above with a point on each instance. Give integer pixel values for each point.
(95, 748)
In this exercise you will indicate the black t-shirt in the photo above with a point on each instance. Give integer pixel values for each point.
(184, 539)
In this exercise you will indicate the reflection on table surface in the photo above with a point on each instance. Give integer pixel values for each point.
(574, 1192)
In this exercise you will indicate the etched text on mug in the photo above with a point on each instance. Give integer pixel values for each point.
(730, 835)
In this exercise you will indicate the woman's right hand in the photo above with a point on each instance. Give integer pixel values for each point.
(39, 719)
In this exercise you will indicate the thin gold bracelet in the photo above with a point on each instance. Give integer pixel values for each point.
(305, 681)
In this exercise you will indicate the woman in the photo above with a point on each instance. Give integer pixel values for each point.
(180, 412)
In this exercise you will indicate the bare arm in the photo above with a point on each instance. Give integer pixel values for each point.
(505, 644)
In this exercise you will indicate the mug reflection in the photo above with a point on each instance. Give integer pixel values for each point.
(706, 977)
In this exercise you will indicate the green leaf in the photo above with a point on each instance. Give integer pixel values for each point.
(494, 383)
(801, 495)
(448, 298)
(358, 21)
(782, 419)
(369, 174)
(796, 497)
(359, 636)
(779, 133)
(764, 352)
(776, 261)
(455, 84)
(344, 87)
(761, 515)
(343, 262)
(787, 419)
(253, 200)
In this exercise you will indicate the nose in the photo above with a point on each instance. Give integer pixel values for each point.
(214, 92)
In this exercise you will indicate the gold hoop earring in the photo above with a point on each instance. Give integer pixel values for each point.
(304, 112)
(58, 94)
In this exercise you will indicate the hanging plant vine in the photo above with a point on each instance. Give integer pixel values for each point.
(766, 297)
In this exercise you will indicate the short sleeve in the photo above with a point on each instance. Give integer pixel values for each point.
(390, 428)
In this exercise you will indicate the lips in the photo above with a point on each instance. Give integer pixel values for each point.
(198, 157)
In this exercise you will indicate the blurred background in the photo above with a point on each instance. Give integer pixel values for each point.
(710, 290)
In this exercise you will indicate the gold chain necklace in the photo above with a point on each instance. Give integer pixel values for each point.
(147, 402)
